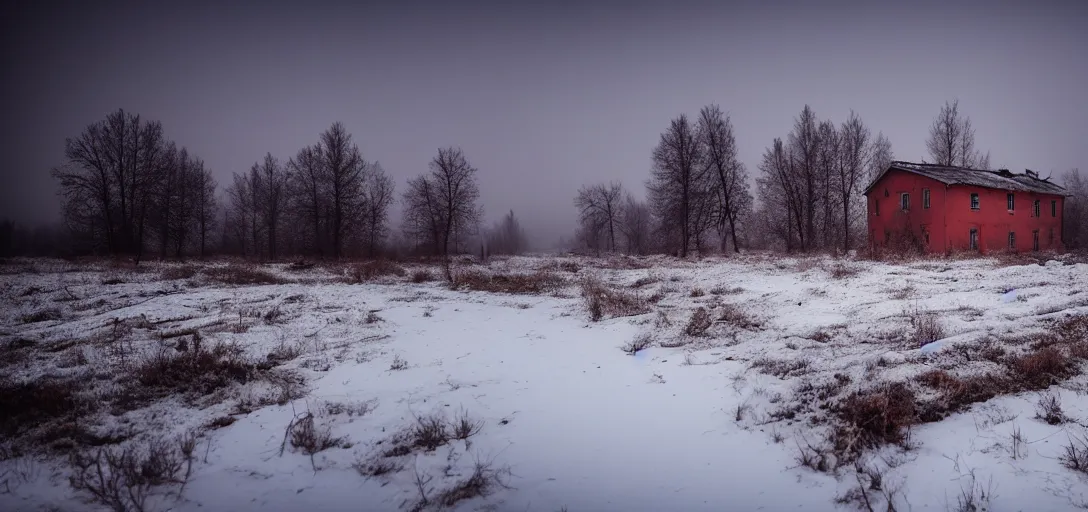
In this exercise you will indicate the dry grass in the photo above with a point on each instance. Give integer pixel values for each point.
(28, 405)
(842, 271)
(197, 371)
(735, 316)
(602, 301)
(239, 274)
(422, 275)
(124, 479)
(538, 282)
(1042, 368)
(1049, 409)
(877, 416)
(42, 315)
(782, 368)
(926, 327)
(1075, 456)
(177, 272)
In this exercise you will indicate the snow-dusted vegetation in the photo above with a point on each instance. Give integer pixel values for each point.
(546, 383)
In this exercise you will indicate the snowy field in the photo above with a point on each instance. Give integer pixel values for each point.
(546, 384)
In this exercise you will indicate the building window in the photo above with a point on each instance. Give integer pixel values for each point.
(1035, 240)
(925, 198)
(904, 201)
(1053, 208)
(1050, 239)
(1012, 240)
(1012, 201)
(885, 192)
(974, 201)
(974, 239)
(1035, 209)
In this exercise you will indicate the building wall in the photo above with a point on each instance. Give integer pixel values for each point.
(994, 221)
(893, 224)
(949, 219)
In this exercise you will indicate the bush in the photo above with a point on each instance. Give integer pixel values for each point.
(639, 343)
(27, 405)
(422, 276)
(308, 438)
(1049, 409)
(699, 322)
(198, 371)
(236, 274)
(179, 272)
(602, 301)
(879, 415)
(956, 394)
(371, 270)
(123, 480)
(842, 271)
(42, 315)
(737, 317)
(927, 327)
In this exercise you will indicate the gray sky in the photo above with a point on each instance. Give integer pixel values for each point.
(541, 99)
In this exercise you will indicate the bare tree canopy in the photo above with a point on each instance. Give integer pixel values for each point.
(1075, 214)
(636, 224)
(440, 206)
(598, 212)
(719, 149)
(952, 140)
(674, 186)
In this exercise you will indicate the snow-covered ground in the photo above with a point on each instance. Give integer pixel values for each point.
(563, 417)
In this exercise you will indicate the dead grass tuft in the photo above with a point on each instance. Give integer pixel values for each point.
(1075, 456)
(1049, 409)
(309, 438)
(1042, 368)
(484, 481)
(422, 276)
(698, 323)
(876, 416)
(197, 371)
(124, 479)
(782, 368)
(843, 271)
(733, 315)
(926, 325)
(602, 301)
(174, 273)
(27, 405)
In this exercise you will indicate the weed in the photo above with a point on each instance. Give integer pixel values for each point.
(422, 276)
(697, 292)
(735, 316)
(236, 274)
(698, 323)
(398, 363)
(602, 301)
(371, 270)
(1049, 409)
(926, 325)
(42, 315)
(1075, 455)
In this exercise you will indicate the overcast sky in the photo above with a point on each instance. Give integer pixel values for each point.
(541, 99)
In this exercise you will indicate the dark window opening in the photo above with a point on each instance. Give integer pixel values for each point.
(1053, 208)
(925, 198)
(904, 201)
(1012, 240)
(1035, 208)
(1050, 239)
(974, 239)
(1035, 240)
(885, 192)
(1011, 198)
(974, 201)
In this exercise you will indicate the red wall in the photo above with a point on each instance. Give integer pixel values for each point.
(949, 218)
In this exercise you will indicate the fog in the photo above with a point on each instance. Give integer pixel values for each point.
(541, 99)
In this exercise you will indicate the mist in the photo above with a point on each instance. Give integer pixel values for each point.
(541, 99)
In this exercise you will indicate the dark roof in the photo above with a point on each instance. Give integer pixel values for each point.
(1002, 180)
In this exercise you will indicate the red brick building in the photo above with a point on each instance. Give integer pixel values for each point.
(941, 208)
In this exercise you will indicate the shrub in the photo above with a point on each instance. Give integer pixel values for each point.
(179, 272)
(1049, 409)
(29, 404)
(644, 281)
(538, 282)
(398, 363)
(422, 276)
(782, 368)
(640, 342)
(879, 415)
(737, 317)
(956, 394)
(602, 301)
(842, 271)
(697, 292)
(927, 327)
(1075, 456)
(308, 438)
(371, 270)
(236, 274)
(198, 371)
(123, 479)
(484, 480)
(42, 315)
(698, 323)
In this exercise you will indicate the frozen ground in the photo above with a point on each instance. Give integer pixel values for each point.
(560, 417)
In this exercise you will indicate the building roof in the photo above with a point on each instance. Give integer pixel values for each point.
(1002, 180)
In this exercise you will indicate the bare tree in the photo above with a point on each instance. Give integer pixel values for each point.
(720, 149)
(599, 207)
(636, 225)
(344, 174)
(677, 168)
(507, 236)
(952, 140)
(378, 190)
(269, 184)
(782, 192)
(854, 155)
(108, 181)
(206, 206)
(442, 204)
(880, 156)
(307, 181)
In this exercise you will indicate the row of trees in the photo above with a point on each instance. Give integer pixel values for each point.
(338, 202)
(125, 187)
